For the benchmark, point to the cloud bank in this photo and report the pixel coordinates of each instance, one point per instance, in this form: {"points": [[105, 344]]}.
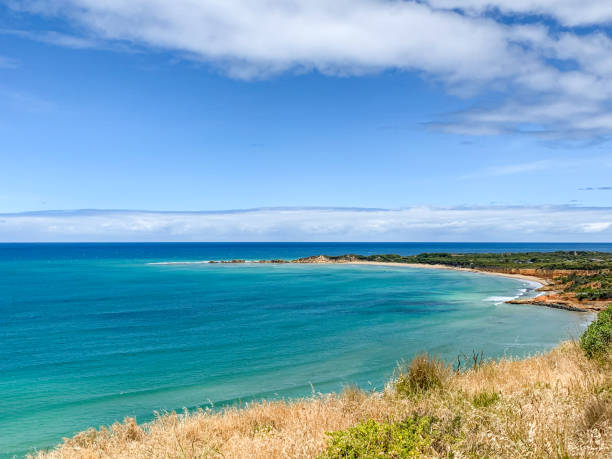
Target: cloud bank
{"points": [[496, 223], [553, 56]]}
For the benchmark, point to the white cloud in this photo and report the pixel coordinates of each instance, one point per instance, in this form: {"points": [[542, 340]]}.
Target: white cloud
{"points": [[597, 227], [342, 36], [567, 12], [538, 223], [455, 42]]}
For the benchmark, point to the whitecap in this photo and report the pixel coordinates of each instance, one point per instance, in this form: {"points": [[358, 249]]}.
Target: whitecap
{"points": [[499, 299]]}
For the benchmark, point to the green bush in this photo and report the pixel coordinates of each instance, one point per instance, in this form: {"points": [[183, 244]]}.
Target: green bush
{"points": [[422, 374], [485, 399], [371, 439], [533, 260], [590, 286], [590, 293], [596, 341]]}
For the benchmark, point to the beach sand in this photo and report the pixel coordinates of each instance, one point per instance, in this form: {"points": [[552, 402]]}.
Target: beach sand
{"points": [[535, 279]]}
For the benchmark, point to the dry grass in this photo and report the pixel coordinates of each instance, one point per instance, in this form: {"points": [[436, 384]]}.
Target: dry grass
{"points": [[422, 374], [554, 405]]}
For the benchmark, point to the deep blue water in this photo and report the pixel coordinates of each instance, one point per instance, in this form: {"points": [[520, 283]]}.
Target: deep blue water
{"points": [[261, 250], [91, 333]]}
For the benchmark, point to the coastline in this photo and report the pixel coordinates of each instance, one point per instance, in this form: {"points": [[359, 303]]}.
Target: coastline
{"points": [[547, 287], [539, 280], [551, 293], [321, 261], [526, 391], [549, 298]]}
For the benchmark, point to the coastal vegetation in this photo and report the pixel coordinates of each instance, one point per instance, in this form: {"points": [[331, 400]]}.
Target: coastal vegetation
{"points": [[590, 286], [575, 260], [597, 339], [557, 404]]}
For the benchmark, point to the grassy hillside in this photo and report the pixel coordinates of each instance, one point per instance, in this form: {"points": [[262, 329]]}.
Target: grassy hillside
{"points": [[553, 405]]}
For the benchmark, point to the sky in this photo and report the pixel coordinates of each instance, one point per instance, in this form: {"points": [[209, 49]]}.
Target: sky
{"points": [[322, 120]]}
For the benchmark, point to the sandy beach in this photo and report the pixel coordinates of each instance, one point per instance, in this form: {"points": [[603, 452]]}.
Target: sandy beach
{"points": [[538, 280]]}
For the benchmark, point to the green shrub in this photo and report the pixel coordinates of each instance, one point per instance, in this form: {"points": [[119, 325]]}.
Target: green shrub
{"points": [[590, 293], [589, 286], [596, 341], [534, 260], [371, 439], [485, 399], [422, 374]]}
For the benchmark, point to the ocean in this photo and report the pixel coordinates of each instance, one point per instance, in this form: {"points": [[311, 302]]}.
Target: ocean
{"points": [[92, 333]]}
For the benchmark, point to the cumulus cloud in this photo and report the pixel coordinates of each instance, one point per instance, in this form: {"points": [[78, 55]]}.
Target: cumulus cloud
{"points": [[567, 12], [338, 37], [496, 223], [559, 78], [597, 227]]}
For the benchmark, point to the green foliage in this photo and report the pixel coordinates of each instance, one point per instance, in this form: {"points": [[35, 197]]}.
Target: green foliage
{"points": [[534, 260], [422, 374], [596, 341], [371, 439], [591, 293], [485, 399], [592, 286]]}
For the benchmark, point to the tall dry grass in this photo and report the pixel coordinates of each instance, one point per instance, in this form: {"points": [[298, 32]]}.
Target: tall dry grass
{"points": [[553, 405]]}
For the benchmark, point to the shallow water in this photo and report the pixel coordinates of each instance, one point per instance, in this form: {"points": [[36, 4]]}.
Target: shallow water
{"points": [[93, 333]]}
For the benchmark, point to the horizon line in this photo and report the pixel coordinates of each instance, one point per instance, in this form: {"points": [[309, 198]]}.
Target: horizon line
{"points": [[289, 208]]}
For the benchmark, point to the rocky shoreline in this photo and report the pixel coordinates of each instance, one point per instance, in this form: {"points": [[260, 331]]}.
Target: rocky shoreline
{"points": [[553, 301]]}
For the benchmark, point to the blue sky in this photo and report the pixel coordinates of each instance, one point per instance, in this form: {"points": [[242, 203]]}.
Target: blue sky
{"points": [[200, 105]]}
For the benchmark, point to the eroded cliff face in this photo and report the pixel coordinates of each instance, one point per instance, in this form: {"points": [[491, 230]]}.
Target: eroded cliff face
{"points": [[542, 273], [557, 292], [563, 301]]}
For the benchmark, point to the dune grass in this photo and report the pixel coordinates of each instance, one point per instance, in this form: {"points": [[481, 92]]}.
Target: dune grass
{"points": [[557, 404]]}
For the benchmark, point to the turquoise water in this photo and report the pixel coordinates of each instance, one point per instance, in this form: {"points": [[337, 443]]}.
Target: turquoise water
{"points": [[92, 333]]}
